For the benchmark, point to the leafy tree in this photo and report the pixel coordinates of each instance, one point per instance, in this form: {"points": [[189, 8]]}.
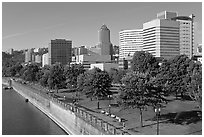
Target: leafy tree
{"points": [[133, 92], [56, 78], [29, 72], [177, 75], [72, 73], [195, 83], [116, 75], [143, 61], [11, 63], [96, 83], [44, 76], [140, 90]]}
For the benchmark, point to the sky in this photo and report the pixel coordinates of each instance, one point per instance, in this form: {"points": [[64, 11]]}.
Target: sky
{"points": [[35, 24]]}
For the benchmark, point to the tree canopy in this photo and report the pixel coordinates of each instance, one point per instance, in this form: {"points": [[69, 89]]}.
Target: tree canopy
{"points": [[95, 82], [139, 90], [71, 73], [143, 61], [56, 77]]}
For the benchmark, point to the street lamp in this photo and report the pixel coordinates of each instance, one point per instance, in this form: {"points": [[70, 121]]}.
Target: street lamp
{"points": [[157, 111], [109, 106]]}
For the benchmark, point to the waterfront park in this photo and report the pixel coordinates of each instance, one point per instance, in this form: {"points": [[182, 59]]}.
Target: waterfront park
{"points": [[154, 96]]}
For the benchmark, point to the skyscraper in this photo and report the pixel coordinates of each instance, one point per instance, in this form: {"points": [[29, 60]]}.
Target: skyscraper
{"points": [[130, 41], [186, 30], [104, 41], [60, 51], [161, 36]]}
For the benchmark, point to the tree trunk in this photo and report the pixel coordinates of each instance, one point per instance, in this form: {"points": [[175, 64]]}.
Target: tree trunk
{"points": [[97, 103], [182, 96], [141, 119]]}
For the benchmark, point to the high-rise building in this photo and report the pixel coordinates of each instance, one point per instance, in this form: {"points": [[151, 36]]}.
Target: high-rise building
{"points": [[60, 51], [28, 55], [104, 41], [186, 30], [45, 59], [130, 42], [161, 37]]}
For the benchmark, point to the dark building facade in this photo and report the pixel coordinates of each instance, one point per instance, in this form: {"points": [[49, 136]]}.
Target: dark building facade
{"points": [[60, 51], [104, 41]]}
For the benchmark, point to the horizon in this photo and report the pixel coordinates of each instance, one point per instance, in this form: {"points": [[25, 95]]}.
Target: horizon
{"points": [[34, 24]]}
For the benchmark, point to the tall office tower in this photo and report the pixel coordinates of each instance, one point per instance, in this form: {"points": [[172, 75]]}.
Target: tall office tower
{"points": [[186, 29], [28, 55], [60, 51], [130, 41], [104, 41], [161, 38]]}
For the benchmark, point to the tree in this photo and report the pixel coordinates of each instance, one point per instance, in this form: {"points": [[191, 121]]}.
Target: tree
{"points": [[45, 75], [143, 61], [140, 90], [29, 72], [177, 75], [116, 75], [96, 83], [72, 73], [195, 83], [133, 92], [56, 78]]}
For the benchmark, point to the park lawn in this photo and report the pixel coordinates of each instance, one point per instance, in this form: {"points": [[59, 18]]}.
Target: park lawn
{"points": [[132, 116]]}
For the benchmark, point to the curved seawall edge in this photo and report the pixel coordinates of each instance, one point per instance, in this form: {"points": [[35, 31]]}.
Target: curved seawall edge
{"points": [[33, 102]]}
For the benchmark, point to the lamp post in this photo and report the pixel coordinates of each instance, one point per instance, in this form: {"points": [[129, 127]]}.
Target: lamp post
{"points": [[157, 111], [109, 106]]}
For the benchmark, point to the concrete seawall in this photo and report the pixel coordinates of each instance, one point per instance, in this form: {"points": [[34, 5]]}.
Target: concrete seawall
{"points": [[65, 118], [74, 120]]}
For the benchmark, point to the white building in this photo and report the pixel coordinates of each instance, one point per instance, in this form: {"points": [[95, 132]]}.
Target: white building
{"points": [[105, 66], [87, 60], [130, 41], [28, 55], [161, 38], [186, 30], [45, 59], [38, 58]]}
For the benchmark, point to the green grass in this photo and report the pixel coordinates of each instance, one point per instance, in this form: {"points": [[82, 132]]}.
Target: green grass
{"points": [[132, 116]]}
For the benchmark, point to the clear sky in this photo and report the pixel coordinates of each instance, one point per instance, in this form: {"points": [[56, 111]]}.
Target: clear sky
{"points": [[32, 25]]}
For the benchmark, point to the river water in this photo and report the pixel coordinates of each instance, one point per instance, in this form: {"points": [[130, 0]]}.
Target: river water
{"points": [[21, 118]]}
